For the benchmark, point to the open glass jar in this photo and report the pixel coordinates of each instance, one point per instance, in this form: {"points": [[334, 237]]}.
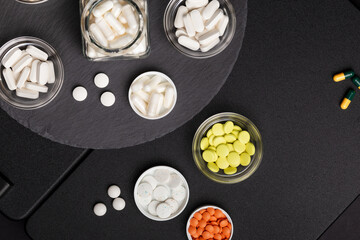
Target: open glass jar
{"points": [[130, 42]]}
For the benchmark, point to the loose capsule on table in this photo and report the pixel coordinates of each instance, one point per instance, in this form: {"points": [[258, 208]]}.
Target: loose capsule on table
{"points": [[347, 100], [343, 75], [356, 81]]}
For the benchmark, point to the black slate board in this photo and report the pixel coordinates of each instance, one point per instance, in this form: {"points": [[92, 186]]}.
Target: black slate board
{"points": [[89, 124], [282, 82]]}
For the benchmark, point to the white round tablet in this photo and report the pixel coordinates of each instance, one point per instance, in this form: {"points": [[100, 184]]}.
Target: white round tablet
{"points": [[101, 80], [144, 190], [175, 181], [161, 193], [99, 209], [114, 191], [79, 93], [163, 210], [151, 180], [144, 201], [174, 205], [107, 99], [179, 193], [152, 207], [118, 204], [162, 175]]}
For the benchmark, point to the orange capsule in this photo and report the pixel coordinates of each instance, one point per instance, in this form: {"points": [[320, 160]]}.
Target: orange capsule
{"points": [[224, 223], [198, 216], [207, 235], [211, 210], [206, 216], [192, 230], [209, 228], [194, 222], [202, 223]]}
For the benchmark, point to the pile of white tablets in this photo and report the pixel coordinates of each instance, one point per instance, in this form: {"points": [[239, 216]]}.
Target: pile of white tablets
{"points": [[114, 24], [200, 24], [162, 193], [152, 95], [28, 71], [118, 203]]}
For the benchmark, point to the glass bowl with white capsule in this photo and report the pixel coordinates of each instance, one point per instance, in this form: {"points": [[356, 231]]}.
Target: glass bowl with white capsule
{"points": [[53, 87], [213, 31]]}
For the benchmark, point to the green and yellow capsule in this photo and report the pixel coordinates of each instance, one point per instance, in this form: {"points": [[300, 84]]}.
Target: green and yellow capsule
{"points": [[347, 100], [356, 81], [344, 75]]}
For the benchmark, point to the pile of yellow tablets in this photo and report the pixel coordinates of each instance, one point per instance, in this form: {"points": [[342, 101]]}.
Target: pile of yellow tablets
{"points": [[227, 146]]}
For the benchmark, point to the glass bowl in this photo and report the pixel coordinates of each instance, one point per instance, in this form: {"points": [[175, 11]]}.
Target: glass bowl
{"points": [[243, 172], [225, 40], [53, 89], [31, 1]]}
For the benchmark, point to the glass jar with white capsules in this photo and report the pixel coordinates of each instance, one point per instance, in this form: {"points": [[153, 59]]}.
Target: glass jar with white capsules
{"points": [[114, 29]]}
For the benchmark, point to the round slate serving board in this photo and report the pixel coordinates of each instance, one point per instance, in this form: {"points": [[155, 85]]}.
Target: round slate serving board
{"points": [[88, 124]]}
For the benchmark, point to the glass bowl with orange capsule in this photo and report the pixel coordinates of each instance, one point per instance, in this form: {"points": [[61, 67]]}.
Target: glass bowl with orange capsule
{"points": [[210, 222]]}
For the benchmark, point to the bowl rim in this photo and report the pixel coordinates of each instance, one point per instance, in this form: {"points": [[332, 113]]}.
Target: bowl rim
{"points": [[205, 207], [31, 2], [231, 179], [167, 78], [15, 42], [202, 55], [148, 215]]}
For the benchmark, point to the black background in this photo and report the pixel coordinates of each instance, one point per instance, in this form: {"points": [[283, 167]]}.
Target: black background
{"points": [[282, 82]]}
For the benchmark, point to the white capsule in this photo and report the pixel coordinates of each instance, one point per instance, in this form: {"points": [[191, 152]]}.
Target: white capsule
{"points": [[210, 9], [102, 8], [52, 76], [138, 103], [152, 83], [160, 104], [34, 75], [208, 47], [161, 87], [211, 23], [106, 30], [163, 210], [23, 77], [169, 97], [192, 4], [90, 52], [209, 37], [122, 19], [43, 73], [179, 18], [118, 204], [9, 78], [189, 26], [153, 104], [114, 23], [121, 42], [79, 93], [23, 62], [180, 32], [37, 53], [143, 95], [11, 57], [139, 84], [98, 19], [99, 209], [197, 20], [116, 10], [107, 99], [189, 43], [130, 16], [26, 93], [36, 87], [98, 35], [222, 24]]}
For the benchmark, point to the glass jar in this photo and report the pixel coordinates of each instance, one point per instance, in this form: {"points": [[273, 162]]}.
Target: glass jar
{"points": [[138, 47]]}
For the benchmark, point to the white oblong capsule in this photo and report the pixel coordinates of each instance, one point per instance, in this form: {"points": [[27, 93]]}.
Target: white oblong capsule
{"points": [[90, 52], [114, 23], [43, 73], [130, 16], [37, 53], [106, 30], [206, 48], [26, 93], [153, 104], [197, 20], [189, 25], [179, 18], [122, 19], [138, 103], [23, 77], [169, 97], [211, 23], [143, 95], [22, 63], [139, 84], [102, 8], [36, 87], [161, 87], [189, 43], [152, 83], [210, 9], [222, 25], [192, 4], [116, 9], [209, 37], [52, 76], [11, 57], [160, 104], [180, 32], [121, 41], [98, 35], [9, 78], [34, 75]]}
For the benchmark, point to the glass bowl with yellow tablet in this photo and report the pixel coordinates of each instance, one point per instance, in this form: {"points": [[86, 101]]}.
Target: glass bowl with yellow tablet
{"points": [[227, 148]]}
